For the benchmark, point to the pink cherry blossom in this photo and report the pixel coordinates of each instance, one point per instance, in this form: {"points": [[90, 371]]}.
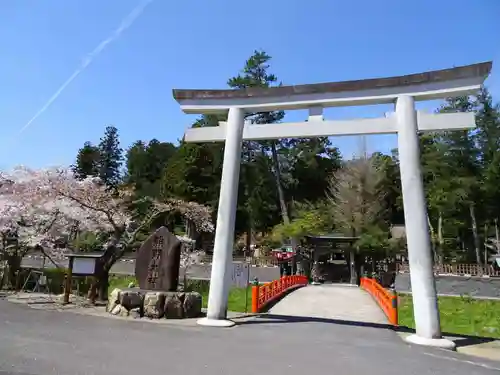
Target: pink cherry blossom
{"points": [[52, 202]]}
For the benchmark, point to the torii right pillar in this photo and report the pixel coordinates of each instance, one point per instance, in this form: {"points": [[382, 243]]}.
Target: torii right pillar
{"points": [[423, 285]]}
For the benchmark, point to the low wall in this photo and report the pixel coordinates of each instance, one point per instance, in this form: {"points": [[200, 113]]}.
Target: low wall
{"points": [[456, 285]]}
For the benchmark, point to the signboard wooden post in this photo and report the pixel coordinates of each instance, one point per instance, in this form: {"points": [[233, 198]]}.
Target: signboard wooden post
{"points": [[80, 264]]}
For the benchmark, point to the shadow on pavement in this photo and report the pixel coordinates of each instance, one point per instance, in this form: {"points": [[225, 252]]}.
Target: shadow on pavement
{"points": [[460, 339], [273, 318]]}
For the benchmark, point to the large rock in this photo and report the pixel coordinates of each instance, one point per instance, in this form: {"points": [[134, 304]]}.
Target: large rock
{"points": [[135, 313], [158, 260], [124, 312], [131, 299], [116, 310], [137, 303], [113, 299], [154, 305], [174, 308], [192, 305]]}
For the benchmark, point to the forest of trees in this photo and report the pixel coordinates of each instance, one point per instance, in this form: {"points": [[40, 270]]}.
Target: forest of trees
{"points": [[293, 187]]}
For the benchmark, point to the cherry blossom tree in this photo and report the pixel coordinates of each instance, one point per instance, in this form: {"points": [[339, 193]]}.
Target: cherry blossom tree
{"points": [[46, 205]]}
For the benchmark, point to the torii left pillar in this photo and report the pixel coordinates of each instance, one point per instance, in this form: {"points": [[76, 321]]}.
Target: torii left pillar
{"points": [[226, 217]]}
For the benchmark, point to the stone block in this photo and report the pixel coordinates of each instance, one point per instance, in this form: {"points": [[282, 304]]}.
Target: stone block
{"points": [[116, 310], [174, 308], [113, 299], [135, 313], [131, 299], [124, 312], [154, 305], [192, 305]]}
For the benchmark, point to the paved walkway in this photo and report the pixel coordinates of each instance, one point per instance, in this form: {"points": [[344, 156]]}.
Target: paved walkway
{"points": [[339, 302]]}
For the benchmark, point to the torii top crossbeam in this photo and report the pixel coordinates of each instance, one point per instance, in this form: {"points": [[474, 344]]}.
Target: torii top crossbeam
{"points": [[430, 85]]}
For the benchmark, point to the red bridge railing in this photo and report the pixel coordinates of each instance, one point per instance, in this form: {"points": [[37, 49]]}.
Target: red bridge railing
{"points": [[387, 301], [266, 293]]}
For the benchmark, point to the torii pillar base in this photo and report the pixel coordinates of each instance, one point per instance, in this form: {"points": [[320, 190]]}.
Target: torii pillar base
{"points": [[436, 343], [219, 323]]}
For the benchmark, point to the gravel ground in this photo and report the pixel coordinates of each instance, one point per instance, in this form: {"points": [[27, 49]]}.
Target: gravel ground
{"points": [[54, 342]]}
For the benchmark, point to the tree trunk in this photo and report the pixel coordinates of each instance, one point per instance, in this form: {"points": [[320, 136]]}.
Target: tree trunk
{"points": [[315, 267], [4, 277], [281, 193], [248, 241], [433, 239], [354, 266], [486, 228], [191, 231], [92, 293], [497, 237], [477, 244], [103, 286], [497, 234], [277, 175], [440, 252], [99, 286], [11, 270]]}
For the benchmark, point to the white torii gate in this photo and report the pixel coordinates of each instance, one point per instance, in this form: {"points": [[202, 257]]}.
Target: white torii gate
{"points": [[406, 122]]}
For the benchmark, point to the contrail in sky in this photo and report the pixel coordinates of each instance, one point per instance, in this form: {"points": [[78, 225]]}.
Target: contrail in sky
{"points": [[124, 25]]}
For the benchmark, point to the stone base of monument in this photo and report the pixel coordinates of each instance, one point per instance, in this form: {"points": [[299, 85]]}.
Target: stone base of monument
{"points": [[151, 304]]}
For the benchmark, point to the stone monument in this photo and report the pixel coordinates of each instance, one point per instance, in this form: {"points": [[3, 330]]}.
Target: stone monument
{"points": [[157, 272], [158, 261]]}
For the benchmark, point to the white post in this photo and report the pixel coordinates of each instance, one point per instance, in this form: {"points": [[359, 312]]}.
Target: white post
{"points": [[226, 216], [425, 307]]}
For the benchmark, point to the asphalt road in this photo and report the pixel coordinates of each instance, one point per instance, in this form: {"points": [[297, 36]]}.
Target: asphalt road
{"points": [[50, 342], [197, 271]]}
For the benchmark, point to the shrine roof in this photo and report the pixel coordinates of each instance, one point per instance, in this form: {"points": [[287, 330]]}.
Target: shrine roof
{"points": [[332, 237]]}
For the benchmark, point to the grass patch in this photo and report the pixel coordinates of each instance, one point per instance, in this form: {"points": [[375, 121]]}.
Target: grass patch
{"points": [[236, 301], [461, 315], [120, 282]]}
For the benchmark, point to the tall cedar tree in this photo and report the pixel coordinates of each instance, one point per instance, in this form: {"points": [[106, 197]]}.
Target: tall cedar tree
{"points": [[111, 157], [255, 74]]}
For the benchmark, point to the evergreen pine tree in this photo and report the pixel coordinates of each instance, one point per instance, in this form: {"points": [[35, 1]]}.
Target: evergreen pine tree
{"points": [[111, 157]]}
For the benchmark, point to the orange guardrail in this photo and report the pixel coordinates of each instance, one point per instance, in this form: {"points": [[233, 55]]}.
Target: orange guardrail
{"points": [[387, 301], [266, 293]]}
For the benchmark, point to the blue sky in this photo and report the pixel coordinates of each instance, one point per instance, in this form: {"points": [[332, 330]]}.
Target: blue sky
{"points": [[200, 44]]}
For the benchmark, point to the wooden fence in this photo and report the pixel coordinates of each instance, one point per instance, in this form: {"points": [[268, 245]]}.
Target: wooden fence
{"points": [[457, 269]]}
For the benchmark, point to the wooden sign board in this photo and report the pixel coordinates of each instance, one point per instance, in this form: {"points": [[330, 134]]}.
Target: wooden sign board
{"points": [[84, 266]]}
